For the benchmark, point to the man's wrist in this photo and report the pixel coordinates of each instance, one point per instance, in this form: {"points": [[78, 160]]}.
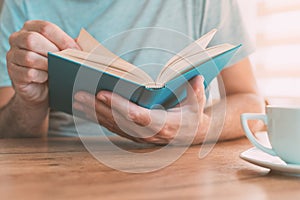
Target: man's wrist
{"points": [[29, 105], [31, 120]]}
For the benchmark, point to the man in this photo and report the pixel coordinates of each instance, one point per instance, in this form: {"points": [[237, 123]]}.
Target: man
{"points": [[35, 29]]}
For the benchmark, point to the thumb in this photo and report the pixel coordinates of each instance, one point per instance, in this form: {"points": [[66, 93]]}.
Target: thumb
{"points": [[78, 45], [196, 92]]}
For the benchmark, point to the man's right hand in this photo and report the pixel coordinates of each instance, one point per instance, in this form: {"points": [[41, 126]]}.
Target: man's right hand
{"points": [[27, 59], [28, 69]]}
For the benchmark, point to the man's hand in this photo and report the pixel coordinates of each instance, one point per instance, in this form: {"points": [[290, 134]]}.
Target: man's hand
{"points": [[28, 69], [186, 122], [27, 59]]}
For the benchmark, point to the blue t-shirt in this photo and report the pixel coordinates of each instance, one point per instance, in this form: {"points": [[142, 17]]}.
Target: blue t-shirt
{"points": [[146, 33]]}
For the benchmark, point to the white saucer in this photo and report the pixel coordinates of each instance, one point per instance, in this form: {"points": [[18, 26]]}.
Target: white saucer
{"points": [[257, 157]]}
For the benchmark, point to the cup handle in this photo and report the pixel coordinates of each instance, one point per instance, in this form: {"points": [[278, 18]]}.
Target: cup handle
{"points": [[250, 116]]}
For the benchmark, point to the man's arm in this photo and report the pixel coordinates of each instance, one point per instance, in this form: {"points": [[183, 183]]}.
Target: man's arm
{"points": [[241, 96], [6, 93]]}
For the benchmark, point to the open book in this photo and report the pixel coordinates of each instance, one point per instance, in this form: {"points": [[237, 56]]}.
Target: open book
{"points": [[95, 68]]}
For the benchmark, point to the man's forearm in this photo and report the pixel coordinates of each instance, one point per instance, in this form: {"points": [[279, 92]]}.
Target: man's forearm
{"points": [[225, 116], [19, 120]]}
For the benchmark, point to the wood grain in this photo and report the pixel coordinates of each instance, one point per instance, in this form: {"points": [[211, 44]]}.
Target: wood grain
{"points": [[61, 168]]}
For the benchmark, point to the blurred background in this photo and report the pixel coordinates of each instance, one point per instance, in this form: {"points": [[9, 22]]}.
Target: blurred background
{"points": [[274, 26]]}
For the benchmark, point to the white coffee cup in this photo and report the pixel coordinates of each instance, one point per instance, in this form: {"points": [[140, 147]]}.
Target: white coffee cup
{"points": [[283, 127]]}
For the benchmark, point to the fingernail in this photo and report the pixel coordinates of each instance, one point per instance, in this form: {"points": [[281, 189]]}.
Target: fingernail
{"points": [[102, 98], [79, 97], [202, 79], [131, 115]]}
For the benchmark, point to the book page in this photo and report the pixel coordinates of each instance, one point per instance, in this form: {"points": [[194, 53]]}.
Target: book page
{"points": [[191, 61], [104, 63], [97, 53], [89, 44], [115, 71], [198, 45]]}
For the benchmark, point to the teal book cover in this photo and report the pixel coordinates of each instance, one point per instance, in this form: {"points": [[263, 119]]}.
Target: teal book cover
{"points": [[66, 77]]}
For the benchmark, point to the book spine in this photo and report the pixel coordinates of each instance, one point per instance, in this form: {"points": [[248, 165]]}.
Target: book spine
{"points": [[161, 98]]}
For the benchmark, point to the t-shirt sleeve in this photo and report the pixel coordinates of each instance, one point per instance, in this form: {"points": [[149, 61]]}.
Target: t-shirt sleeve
{"points": [[12, 19], [227, 18]]}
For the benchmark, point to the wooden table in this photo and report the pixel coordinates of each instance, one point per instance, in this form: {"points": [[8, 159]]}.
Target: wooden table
{"points": [[61, 168]]}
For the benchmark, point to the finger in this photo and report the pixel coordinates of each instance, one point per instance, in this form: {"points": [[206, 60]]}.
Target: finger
{"points": [[155, 140], [28, 59], [102, 119], [52, 32], [93, 106], [114, 127], [88, 111], [137, 114], [32, 41], [21, 75], [146, 122], [85, 98], [112, 120], [96, 107], [195, 92]]}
